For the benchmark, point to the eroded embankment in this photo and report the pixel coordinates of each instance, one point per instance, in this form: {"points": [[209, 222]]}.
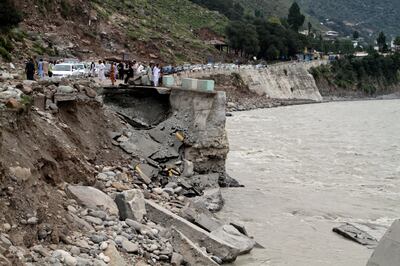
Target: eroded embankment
{"points": [[133, 181], [250, 88]]}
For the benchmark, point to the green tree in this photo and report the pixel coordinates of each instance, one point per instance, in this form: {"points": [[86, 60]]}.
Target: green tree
{"points": [[295, 18], [243, 37], [382, 42], [272, 53], [356, 35], [309, 26], [9, 14]]}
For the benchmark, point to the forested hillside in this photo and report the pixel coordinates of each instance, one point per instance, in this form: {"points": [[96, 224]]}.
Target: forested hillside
{"points": [[369, 16], [366, 16]]}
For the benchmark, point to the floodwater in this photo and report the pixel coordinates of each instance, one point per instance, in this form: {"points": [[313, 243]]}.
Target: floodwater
{"points": [[308, 169]]}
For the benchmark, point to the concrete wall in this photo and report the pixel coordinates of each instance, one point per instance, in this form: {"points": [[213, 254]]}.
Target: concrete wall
{"points": [[203, 116], [278, 81]]}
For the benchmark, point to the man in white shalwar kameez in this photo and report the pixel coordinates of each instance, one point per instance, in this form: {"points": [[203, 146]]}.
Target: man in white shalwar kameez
{"points": [[102, 69], [156, 75]]}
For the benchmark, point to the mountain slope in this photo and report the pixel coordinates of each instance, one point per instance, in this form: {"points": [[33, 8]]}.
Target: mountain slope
{"points": [[145, 29], [369, 16], [366, 16]]}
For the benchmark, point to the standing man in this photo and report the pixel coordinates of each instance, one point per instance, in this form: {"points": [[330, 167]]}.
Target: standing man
{"points": [[30, 69], [102, 69], [40, 69], [149, 73], [112, 73], [50, 73], [135, 66], [156, 75], [121, 71], [130, 73], [92, 70]]}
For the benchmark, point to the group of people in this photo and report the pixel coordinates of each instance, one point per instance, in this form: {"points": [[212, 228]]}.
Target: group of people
{"points": [[126, 71], [43, 68], [114, 71]]}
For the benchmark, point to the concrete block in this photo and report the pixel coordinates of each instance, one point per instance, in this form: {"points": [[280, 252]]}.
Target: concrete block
{"points": [[225, 251], [206, 85], [388, 251], [189, 84], [231, 235], [168, 81], [192, 254]]}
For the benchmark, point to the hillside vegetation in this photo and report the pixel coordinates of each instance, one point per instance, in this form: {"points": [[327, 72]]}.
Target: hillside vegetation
{"points": [[146, 29], [350, 76]]}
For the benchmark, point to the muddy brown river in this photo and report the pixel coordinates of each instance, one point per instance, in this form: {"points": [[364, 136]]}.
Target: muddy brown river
{"points": [[308, 169]]}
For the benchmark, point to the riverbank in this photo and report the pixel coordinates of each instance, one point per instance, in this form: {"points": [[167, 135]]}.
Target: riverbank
{"points": [[124, 177]]}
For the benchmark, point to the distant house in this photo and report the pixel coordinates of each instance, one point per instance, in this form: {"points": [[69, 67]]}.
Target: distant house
{"points": [[218, 44]]}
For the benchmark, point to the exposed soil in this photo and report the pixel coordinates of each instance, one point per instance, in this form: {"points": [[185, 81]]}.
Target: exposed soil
{"points": [[50, 151]]}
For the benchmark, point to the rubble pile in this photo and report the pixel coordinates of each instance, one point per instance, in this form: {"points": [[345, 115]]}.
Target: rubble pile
{"points": [[115, 194]]}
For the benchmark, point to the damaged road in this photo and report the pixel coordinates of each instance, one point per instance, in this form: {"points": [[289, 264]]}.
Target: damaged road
{"points": [[113, 184]]}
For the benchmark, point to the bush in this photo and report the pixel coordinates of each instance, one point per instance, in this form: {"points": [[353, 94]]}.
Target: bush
{"points": [[6, 43], [5, 54], [66, 9], [9, 15]]}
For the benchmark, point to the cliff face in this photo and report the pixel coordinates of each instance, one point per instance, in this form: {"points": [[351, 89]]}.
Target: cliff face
{"points": [[288, 81], [283, 82]]}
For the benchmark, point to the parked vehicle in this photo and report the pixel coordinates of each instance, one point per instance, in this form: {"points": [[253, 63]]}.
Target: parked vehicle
{"points": [[65, 70], [81, 69]]}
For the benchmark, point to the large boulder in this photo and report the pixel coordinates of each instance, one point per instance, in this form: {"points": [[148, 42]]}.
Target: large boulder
{"points": [[131, 205], [202, 182], [115, 258], [231, 235], [92, 198], [211, 199], [388, 251], [65, 89]]}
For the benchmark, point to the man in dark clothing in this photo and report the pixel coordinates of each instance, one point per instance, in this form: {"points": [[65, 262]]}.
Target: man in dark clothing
{"points": [[121, 71], [129, 73], [30, 69]]}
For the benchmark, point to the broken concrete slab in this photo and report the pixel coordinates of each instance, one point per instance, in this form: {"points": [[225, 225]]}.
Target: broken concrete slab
{"points": [[192, 254], [164, 154], [387, 253], [211, 199], [141, 145], [131, 205], [146, 172], [200, 216], [353, 233], [92, 198], [232, 236], [213, 244]]}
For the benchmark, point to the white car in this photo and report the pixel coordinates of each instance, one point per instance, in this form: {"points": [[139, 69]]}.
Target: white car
{"points": [[67, 70], [81, 69]]}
